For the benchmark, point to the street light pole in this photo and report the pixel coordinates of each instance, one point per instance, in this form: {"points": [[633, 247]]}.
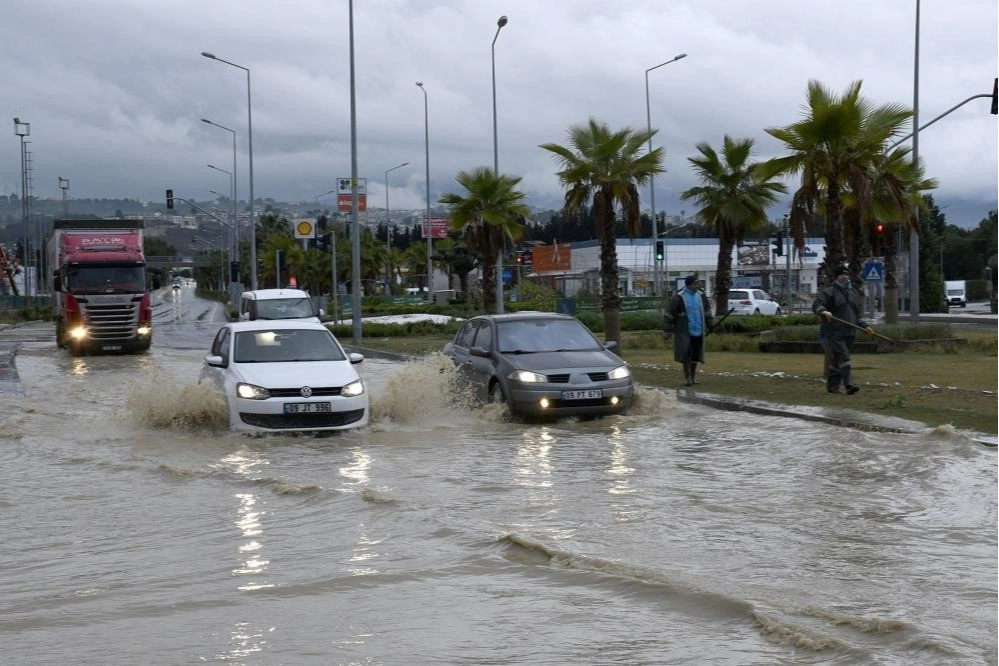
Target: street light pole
{"points": [[249, 134], [64, 186], [232, 185], [22, 130], [652, 178], [499, 260], [430, 226], [333, 284], [388, 227], [914, 233]]}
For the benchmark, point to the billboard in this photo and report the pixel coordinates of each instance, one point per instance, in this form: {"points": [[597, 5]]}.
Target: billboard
{"points": [[439, 226], [552, 257]]}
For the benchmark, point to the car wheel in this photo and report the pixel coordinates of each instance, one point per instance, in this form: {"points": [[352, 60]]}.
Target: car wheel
{"points": [[496, 396]]}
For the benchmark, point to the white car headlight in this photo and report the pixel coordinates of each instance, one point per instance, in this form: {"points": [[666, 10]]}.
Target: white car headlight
{"points": [[527, 377], [621, 372], [252, 392], [353, 389]]}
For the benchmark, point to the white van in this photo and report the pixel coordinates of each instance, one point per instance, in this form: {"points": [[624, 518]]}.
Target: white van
{"points": [[956, 296], [278, 304]]}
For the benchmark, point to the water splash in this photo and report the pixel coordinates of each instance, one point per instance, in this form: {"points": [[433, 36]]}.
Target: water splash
{"points": [[155, 403], [428, 389]]}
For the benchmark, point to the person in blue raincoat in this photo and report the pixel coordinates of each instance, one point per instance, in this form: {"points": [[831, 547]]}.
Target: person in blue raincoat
{"points": [[689, 317]]}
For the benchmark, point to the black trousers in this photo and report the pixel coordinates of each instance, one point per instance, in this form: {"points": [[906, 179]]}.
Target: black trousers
{"points": [[840, 369]]}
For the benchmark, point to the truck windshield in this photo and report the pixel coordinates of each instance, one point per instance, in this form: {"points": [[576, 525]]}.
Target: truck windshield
{"points": [[106, 279]]}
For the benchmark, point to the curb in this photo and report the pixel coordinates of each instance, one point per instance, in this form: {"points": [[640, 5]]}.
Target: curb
{"points": [[857, 421]]}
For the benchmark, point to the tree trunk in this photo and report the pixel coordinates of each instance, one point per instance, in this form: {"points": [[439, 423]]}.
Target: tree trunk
{"points": [[489, 285], [835, 254], [723, 274], [610, 300]]}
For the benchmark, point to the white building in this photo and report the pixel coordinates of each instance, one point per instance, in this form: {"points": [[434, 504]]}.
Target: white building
{"points": [[753, 265]]}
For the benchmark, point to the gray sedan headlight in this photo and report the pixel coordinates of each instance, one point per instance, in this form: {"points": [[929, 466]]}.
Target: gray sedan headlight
{"points": [[621, 372], [252, 392], [352, 389], [527, 377]]}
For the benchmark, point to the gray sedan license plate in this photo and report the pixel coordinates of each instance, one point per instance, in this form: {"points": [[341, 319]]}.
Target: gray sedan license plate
{"points": [[306, 407], [582, 395]]}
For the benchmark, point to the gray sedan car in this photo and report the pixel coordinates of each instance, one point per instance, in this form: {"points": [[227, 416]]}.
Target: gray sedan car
{"points": [[541, 365]]}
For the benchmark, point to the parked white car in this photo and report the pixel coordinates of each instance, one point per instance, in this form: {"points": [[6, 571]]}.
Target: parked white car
{"points": [[752, 301], [286, 375]]}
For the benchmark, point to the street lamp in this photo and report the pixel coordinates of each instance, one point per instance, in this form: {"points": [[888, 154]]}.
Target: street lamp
{"points": [[499, 260], [249, 134], [64, 186], [333, 284], [231, 187], [232, 184], [652, 180], [22, 130], [388, 227], [430, 226]]}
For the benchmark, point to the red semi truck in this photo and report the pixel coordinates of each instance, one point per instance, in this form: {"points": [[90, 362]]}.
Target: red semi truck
{"points": [[101, 300]]}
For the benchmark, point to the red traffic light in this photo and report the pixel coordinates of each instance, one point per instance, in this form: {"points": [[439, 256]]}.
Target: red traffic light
{"points": [[880, 228]]}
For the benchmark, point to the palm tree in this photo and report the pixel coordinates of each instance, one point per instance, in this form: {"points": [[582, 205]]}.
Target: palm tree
{"points": [[488, 214], [896, 184], [831, 149], [732, 200], [606, 167]]}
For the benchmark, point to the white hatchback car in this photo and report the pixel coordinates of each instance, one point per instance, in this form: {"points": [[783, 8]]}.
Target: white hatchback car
{"points": [[752, 301], [286, 375]]}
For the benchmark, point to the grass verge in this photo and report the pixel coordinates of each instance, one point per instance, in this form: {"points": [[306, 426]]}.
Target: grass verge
{"points": [[935, 387]]}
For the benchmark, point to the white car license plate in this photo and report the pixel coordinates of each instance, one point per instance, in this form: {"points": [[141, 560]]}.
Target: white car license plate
{"points": [[582, 395], [306, 407]]}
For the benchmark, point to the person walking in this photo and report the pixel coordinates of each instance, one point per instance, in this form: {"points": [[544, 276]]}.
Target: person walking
{"points": [[840, 307], [688, 316]]}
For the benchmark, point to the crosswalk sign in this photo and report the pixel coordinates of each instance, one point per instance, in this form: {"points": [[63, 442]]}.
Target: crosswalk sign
{"points": [[873, 271]]}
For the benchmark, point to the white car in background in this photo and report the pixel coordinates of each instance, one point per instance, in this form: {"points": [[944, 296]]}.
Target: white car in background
{"points": [[286, 376], [752, 301]]}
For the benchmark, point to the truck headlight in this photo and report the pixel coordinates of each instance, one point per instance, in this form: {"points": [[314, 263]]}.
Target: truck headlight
{"points": [[78, 332], [144, 330]]}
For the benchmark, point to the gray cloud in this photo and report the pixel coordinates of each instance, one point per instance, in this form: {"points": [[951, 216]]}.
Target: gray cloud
{"points": [[115, 89]]}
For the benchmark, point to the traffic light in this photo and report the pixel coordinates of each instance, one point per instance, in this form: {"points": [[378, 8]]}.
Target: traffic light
{"points": [[995, 97], [234, 271], [879, 234], [281, 261], [660, 250], [169, 198], [779, 244]]}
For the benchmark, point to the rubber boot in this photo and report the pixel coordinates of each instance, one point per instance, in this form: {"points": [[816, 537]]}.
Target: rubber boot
{"points": [[693, 371], [688, 378]]}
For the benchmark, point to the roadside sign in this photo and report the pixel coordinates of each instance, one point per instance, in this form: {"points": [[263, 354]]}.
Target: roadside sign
{"points": [[343, 186], [873, 271], [344, 202], [305, 228], [438, 227]]}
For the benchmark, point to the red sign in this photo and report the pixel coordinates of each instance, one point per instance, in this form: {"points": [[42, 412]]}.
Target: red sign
{"points": [[439, 226], [345, 204]]}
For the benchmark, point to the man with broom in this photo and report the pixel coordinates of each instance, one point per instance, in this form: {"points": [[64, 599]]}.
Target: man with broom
{"points": [[842, 309]]}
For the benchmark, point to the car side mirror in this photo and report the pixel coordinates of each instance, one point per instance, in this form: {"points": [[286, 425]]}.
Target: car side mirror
{"points": [[215, 361], [355, 358], [610, 345], [478, 351]]}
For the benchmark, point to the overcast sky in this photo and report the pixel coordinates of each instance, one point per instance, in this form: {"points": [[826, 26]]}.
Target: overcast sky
{"points": [[115, 89]]}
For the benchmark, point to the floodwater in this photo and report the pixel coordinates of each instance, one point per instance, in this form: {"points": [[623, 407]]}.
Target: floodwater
{"points": [[136, 530]]}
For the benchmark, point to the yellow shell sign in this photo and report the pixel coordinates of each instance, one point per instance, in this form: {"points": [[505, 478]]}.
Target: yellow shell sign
{"points": [[305, 228]]}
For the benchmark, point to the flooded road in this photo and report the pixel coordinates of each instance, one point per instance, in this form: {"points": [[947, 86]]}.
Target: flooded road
{"points": [[138, 531]]}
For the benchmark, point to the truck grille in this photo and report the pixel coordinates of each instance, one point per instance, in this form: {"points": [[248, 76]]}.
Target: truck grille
{"points": [[112, 322]]}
